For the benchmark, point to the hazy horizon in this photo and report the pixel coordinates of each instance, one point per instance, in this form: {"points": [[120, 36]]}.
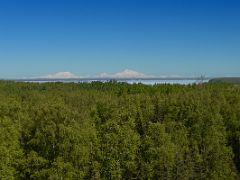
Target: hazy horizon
{"points": [[126, 74]]}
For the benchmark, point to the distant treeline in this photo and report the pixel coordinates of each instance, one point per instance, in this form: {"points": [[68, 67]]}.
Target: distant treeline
{"points": [[232, 80], [119, 131]]}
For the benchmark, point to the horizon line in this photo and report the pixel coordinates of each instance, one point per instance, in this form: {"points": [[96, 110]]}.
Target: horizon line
{"points": [[108, 78]]}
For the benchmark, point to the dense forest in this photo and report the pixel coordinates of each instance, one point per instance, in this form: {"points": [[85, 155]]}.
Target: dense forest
{"points": [[119, 131]]}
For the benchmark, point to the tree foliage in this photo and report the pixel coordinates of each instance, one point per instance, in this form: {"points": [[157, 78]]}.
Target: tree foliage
{"points": [[119, 131]]}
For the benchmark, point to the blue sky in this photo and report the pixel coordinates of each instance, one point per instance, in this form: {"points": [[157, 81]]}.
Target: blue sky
{"points": [[88, 37]]}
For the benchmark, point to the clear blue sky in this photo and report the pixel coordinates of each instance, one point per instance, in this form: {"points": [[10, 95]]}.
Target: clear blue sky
{"points": [[87, 37]]}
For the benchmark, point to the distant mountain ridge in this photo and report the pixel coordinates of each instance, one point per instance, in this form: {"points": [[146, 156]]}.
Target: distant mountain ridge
{"points": [[110, 78]]}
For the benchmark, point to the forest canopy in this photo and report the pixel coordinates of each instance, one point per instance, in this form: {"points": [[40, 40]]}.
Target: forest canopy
{"points": [[119, 131]]}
